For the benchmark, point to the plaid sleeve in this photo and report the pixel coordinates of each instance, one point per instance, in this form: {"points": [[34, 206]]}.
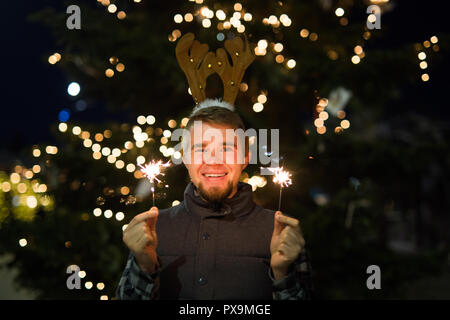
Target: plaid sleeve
{"points": [[135, 284], [297, 285]]}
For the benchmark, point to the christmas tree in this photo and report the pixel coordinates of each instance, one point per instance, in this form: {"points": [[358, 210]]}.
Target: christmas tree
{"points": [[367, 183]]}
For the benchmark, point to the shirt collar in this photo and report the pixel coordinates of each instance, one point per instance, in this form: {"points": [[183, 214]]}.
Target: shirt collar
{"points": [[240, 204]]}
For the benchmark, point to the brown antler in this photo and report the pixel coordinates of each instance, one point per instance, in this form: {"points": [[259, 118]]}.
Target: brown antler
{"points": [[232, 76], [196, 62]]}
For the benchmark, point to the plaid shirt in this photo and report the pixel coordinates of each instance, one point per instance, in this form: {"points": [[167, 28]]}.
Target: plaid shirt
{"points": [[138, 285]]}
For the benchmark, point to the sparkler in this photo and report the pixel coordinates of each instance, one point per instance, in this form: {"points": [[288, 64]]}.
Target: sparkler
{"points": [[152, 170], [283, 178]]}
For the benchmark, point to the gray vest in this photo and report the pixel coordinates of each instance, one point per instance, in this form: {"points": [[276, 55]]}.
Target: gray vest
{"points": [[209, 254]]}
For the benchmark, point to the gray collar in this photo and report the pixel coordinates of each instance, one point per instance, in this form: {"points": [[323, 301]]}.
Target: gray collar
{"points": [[240, 204]]}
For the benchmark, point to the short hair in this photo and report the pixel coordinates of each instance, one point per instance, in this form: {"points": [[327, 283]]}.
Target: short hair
{"points": [[217, 115]]}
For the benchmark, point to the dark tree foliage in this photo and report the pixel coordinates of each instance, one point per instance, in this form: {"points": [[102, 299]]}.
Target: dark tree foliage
{"points": [[357, 193]]}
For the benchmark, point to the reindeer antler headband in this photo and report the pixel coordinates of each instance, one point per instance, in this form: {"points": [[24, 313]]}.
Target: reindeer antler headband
{"points": [[198, 64]]}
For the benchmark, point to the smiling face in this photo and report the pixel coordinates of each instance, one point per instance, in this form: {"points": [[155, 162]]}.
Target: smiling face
{"points": [[213, 164]]}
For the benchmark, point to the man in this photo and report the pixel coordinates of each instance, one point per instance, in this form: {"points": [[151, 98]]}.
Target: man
{"points": [[217, 243]]}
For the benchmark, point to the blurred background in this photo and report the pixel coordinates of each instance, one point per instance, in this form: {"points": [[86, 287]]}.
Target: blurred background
{"points": [[358, 96]]}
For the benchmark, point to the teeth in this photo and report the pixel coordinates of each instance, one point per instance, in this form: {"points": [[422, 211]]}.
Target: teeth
{"points": [[214, 175]]}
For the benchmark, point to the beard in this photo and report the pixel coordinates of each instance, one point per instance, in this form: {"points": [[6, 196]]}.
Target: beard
{"points": [[215, 196]]}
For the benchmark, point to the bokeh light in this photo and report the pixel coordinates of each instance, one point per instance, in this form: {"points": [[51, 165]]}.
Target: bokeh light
{"points": [[73, 89]]}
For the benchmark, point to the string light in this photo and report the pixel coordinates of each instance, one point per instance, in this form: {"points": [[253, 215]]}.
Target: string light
{"points": [[178, 18], [36, 153], [206, 23], [28, 174], [97, 212], [113, 60], [285, 20], [304, 33], [313, 36], [321, 130], [256, 182], [262, 98], [131, 167], [23, 242], [220, 14], [120, 164], [98, 137], [76, 130], [372, 18], [258, 107], [112, 8], [6, 186], [121, 15], [54, 58], [62, 127], [184, 122], [73, 89], [120, 67], [175, 203], [339, 12], [116, 152], [291, 63], [356, 59], [151, 119], [51, 150], [109, 73], [278, 47], [120, 216], [87, 143], [421, 55], [108, 214], [345, 124]]}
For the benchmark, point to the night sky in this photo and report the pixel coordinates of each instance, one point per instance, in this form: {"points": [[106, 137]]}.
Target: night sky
{"points": [[34, 92]]}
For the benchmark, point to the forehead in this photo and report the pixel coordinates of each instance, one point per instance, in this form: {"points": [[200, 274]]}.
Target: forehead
{"points": [[210, 126], [205, 132]]}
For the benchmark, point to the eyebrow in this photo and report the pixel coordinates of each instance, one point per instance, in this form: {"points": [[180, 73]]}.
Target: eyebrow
{"points": [[226, 143]]}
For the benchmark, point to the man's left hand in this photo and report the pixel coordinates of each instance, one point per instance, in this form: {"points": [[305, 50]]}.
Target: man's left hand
{"points": [[286, 244]]}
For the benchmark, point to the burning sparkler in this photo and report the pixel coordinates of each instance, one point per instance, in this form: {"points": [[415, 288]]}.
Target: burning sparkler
{"points": [[152, 170], [283, 178]]}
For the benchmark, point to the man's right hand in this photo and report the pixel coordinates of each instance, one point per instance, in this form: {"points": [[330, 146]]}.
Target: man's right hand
{"points": [[140, 237]]}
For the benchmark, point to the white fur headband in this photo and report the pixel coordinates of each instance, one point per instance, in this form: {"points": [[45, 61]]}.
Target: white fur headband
{"points": [[212, 103]]}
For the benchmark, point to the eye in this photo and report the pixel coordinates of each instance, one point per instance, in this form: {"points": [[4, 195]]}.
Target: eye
{"points": [[228, 149]]}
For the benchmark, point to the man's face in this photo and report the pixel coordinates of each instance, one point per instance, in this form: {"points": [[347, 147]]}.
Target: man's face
{"points": [[215, 161]]}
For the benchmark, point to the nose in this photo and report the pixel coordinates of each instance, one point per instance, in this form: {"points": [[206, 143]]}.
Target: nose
{"points": [[213, 156]]}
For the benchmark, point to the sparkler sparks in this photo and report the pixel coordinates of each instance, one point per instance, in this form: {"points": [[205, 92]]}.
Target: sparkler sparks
{"points": [[283, 178], [152, 170]]}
